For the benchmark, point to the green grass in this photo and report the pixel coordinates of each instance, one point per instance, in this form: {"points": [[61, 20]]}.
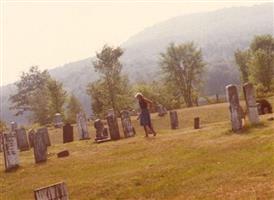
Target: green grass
{"points": [[209, 163]]}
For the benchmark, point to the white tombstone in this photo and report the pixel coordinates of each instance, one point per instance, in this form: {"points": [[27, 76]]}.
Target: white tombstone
{"points": [[11, 154], [82, 126], [57, 191], [251, 104], [234, 107]]}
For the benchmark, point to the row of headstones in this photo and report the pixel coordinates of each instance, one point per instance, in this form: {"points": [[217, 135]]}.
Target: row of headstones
{"points": [[236, 112], [16, 140]]}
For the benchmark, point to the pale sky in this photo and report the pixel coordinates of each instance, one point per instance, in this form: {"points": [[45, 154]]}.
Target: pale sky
{"points": [[53, 33]]}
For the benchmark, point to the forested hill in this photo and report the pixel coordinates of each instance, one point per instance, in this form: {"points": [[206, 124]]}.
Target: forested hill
{"points": [[218, 33]]}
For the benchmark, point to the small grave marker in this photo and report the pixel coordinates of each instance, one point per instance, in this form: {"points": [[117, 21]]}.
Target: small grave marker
{"points": [[22, 139], [67, 133], [174, 122], [196, 123]]}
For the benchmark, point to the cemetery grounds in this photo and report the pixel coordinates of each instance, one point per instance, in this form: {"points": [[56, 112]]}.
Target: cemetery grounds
{"points": [[209, 163]]}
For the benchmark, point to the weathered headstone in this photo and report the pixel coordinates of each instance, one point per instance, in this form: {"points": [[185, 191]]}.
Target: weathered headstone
{"points": [[251, 104], [13, 126], [31, 137], [67, 133], [11, 154], [57, 191], [58, 121], [128, 129], [113, 127], [196, 123], [234, 107], [62, 154], [174, 122], [40, 146], [22, 139], [82, 126], [44, 132]]}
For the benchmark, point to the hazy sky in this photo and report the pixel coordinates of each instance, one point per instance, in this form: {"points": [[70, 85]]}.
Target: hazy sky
{"points": [[53, 33]]}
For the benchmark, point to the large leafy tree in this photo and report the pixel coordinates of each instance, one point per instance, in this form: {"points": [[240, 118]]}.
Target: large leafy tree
{"points": [[183, 66], [38, 94], [112, 91], [257, 63]]}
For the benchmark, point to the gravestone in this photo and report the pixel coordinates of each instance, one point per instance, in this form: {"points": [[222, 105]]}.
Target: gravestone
{"points": [[128, 129], [11, 154], [57, 191], [251, 104], [58, 121], [174, 122], [13, 126], [234, 107], [113, 127], [22, 139], [82, 126], [100, 130], [40, 146], [161, 110], [63, 154], [31, 138], [44, 132], [196, 123], [67, 133]]}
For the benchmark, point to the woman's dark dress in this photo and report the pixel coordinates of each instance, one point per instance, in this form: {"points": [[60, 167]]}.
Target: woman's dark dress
{"points": [[145, 115]]}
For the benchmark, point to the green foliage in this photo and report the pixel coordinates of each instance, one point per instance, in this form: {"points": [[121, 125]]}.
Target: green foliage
{"points": [[73, 107], [57, 97], [241, 58], [257, 63], [112, 91], [162, 93], [38, 93], [183, 66]]}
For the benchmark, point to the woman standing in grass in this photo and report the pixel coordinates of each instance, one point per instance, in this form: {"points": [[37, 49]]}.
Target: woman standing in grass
{"points": [[145, 115]]}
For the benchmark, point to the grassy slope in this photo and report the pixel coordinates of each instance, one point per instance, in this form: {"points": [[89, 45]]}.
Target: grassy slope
{"points": [[210, 163]]}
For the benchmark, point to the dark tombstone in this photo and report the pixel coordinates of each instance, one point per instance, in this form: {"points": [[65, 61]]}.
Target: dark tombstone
{"points": [[67, 133], [40, 146], [113, 127], [58, 121], [44, 132], [105, 132], [196, 123], [174, 122], [236, 113], [252, 110], [11, 154], [31, 137], [57, 191], [62, 154], [264, 107], [128, 129], [82, 126], [22, 139], [13, 126]]}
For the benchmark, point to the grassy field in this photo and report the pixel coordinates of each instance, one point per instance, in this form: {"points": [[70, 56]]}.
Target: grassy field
{"points": [[209, 163]]}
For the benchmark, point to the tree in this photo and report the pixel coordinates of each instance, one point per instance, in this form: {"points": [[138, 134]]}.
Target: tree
{"points": [[242, 58], [57, 97], [26, 87], [257, 63], [74, 107], [113, 88], [183, 66]]}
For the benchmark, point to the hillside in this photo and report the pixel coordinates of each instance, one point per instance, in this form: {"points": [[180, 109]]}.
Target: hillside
{"points": [[209, 163], [218, 33]]}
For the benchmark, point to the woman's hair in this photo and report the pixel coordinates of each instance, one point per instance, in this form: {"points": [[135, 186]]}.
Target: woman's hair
{"points": [[138, 94]]}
